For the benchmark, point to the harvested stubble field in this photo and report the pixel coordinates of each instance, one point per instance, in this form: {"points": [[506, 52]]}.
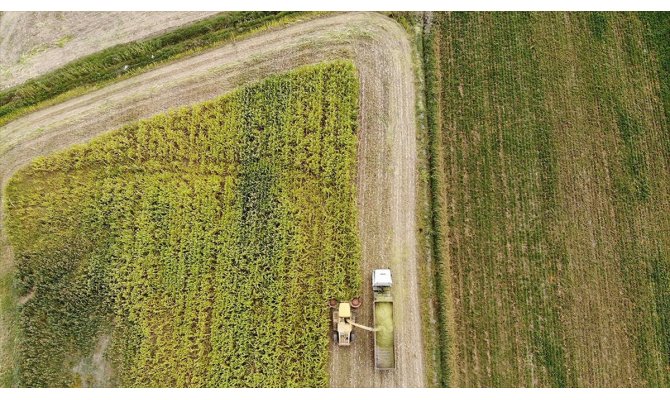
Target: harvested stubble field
{"points": [[197, 240], [551, 146], [35, 43], [117, 62]]}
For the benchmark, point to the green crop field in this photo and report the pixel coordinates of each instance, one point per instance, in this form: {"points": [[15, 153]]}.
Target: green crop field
{"points": [[201, 245], [550, 144]]}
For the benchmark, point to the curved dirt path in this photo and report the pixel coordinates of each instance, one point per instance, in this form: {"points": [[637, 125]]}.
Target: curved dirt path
{"points": [[387, 151]]}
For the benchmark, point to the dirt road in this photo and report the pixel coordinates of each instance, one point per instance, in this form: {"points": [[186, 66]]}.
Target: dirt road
{"points": [[387, 150], [33, 43]]}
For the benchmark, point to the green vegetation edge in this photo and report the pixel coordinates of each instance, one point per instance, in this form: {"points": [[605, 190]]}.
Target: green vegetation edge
{"points": [[129, 59]]}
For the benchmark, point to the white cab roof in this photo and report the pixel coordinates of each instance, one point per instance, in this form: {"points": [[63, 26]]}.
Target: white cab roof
{"points": [[381, 277]]}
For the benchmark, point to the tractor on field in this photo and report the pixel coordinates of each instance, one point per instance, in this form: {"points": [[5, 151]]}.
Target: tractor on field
{"points": [[344, 320]]}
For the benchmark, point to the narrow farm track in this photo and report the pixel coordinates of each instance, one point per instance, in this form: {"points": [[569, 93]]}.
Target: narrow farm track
{"points": [[382, 54]]}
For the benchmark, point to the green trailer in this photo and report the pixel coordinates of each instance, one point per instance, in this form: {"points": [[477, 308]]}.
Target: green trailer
{"points": [[384, 339]]}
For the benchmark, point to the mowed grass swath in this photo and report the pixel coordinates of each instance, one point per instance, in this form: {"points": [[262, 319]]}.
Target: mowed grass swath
{"points": [[205, 242], [551, 193]]}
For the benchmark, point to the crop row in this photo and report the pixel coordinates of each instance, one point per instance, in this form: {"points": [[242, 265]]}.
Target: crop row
{"points": [[551, 189], [206, 241]]}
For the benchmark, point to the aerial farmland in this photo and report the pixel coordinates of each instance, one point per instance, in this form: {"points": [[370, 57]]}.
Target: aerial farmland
{"points": [[334, 199]]}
